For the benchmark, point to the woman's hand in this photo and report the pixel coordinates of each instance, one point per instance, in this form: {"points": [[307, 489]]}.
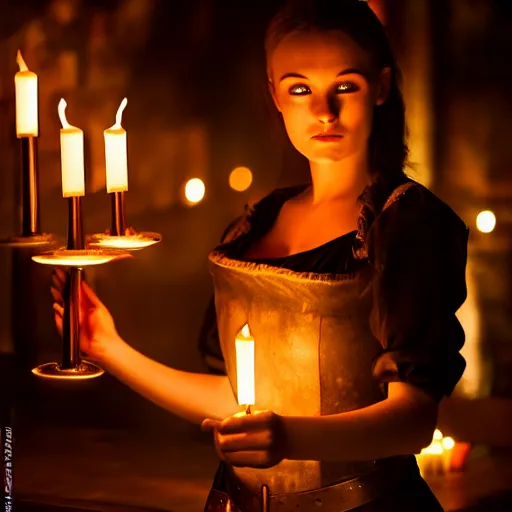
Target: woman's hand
{"points": [[97, 329], [255, 440]]}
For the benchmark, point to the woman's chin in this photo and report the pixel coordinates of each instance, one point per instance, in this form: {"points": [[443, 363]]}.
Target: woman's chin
{"points": [[326, 156]]}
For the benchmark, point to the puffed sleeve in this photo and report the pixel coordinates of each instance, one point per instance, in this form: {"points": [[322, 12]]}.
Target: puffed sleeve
{"points": [[418, 249]]}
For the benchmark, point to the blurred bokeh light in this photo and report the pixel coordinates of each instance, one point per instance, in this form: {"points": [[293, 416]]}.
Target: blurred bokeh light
{"points": [[194, 190], [486, 221], [240, 179]]}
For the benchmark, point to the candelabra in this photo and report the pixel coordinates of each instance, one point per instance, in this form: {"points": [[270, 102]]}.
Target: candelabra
{"points": [[30, 235], [120, 235], [77, 257]]}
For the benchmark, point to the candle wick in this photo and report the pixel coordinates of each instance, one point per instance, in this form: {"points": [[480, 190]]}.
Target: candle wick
{"points": [[248, 410], [119, 115], [21, 63], [62, 113]]}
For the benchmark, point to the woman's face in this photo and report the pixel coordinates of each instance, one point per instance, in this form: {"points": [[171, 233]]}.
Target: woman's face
{"points": [[323, 85]]}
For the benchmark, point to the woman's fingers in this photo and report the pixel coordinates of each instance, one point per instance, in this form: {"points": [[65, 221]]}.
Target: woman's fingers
{"points": [[57, 295], [59, 277], [58, 312], [209, 425], [91, 299], [58, 309]]}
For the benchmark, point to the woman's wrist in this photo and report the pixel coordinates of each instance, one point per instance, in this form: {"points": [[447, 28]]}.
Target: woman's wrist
{"points": [[111, 352]]}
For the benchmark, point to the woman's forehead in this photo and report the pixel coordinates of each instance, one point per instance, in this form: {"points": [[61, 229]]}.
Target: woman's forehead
{"points": [[312, 52]]}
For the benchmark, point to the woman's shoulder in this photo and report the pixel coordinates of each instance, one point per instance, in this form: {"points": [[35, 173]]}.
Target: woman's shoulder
{"points": [[413, 202], [260, 213]]}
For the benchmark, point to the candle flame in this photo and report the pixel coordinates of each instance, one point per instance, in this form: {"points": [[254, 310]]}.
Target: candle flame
{"points": [[119, 115], [245, 331], [21, 63], [62, 113]]}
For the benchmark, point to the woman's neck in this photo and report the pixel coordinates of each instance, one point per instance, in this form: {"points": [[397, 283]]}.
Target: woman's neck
{"points": [[344, 180]]}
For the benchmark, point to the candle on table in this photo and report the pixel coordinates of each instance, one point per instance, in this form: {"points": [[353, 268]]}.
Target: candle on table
{"points": [[116, 154], [25, 83], [435, 459], [244, 344], [72, 156]]}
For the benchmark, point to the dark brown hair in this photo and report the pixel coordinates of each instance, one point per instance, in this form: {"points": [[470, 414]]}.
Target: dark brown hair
{"points": [[387, 144]]}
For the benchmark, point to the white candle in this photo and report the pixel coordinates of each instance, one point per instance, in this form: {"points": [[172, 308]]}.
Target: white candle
{"points": [[25, 84], [116, 154], [244, 344], [71, 155], [435, 459]]}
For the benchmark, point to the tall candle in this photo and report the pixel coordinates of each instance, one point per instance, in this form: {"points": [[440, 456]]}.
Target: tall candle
{"points": [[116, 154], [244, 344], [71, 155], [25, 84]]}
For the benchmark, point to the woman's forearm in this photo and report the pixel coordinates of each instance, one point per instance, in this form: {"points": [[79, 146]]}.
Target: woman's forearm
{"points": [[395, 426], [192, 396]]}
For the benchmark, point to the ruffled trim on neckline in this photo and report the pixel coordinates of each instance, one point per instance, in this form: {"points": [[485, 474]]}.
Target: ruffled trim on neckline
{"points": [[219, 258]]}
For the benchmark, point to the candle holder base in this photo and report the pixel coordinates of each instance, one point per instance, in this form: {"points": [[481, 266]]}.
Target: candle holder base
{"points": [[83, 370], [28, 241], [79, 258], [130, 241]]}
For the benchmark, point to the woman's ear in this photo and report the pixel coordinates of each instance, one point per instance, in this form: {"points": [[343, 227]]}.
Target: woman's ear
{"points": [[272, 90], [383, 86]]}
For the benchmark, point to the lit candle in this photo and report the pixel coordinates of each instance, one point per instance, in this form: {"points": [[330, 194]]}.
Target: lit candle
{"points": [[116, 154], [244, 344], [25, 84], [435, 459], [71, 155]]}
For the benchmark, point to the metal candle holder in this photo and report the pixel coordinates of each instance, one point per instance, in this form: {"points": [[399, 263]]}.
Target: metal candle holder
{"points": [[118, 214], [72, 365], [30, 217], [121, 236]]}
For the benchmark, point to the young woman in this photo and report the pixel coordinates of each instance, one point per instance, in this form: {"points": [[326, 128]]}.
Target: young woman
{"points": [[349, 285]]}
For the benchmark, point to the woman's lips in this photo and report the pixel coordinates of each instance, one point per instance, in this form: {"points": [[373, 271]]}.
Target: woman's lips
{"points": [[327, 137]]}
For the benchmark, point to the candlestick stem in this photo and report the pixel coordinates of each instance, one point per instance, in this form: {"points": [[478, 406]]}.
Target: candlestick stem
{"points": [[75, 226], [118, 214], [30, 189], [71, 321]]}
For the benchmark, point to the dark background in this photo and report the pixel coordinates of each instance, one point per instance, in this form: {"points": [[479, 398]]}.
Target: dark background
{"points": [[194, 76]]}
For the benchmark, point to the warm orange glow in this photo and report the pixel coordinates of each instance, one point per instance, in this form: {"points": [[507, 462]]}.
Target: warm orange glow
{"points": [[72, 156], [448, 443], [79, 259], [25, 83], [66, 376], [240, 179], [244, 345], [116, 157], [436, 458], [128, 242], [194, 190], [486, 221]]}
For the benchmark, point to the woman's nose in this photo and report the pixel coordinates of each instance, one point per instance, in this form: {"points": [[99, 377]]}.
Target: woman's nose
{"points": [[326, 109]]}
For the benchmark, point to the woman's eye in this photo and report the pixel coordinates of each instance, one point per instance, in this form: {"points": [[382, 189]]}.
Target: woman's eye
{"points": [[299, 90], [346, 87]]}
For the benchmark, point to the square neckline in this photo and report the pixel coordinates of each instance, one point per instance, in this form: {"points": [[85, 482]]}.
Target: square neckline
{"points": [[296, 190]]}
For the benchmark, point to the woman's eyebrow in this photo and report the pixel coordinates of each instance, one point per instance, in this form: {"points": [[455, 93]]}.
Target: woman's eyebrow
{"points": [[348, 71], [351, 71], [292, 75]]}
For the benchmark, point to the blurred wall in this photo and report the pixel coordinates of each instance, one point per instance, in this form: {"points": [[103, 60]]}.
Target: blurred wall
{"points": [[194, 77]]}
